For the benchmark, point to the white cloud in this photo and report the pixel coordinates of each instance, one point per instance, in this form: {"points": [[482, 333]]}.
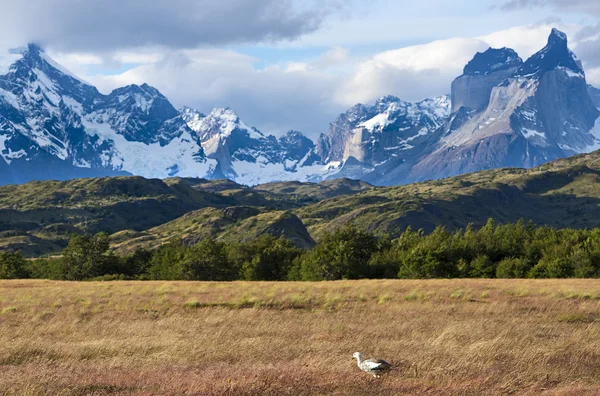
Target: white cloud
{"points": [[411, 73], [274, 99], [416, 72]]}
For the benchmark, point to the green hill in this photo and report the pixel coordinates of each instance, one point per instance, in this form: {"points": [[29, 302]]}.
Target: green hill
{"points": [[232, 224], [38, 217], [564, 193]]}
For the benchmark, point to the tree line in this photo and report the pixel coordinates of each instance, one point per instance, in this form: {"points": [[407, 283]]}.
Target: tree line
{"points": [[516, 250]]}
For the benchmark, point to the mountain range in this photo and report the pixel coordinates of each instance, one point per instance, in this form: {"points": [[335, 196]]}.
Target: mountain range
{"points": [[501, 112]]}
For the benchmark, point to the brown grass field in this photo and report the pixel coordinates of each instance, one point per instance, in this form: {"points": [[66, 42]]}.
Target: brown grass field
{"points": [[446, 337]]}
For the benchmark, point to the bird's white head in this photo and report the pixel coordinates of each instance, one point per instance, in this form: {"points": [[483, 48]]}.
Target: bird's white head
{"points": [[357, 355]]}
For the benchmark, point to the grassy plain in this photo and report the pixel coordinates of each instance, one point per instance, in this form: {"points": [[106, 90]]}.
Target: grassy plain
{"points": [[448, 337]]}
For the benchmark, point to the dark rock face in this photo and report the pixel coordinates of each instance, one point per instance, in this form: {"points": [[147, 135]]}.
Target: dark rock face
{"points": [[531, 115], [566, 111], [484, 72], [594, 95], [295, 145], [556, 54], [491, 61]]}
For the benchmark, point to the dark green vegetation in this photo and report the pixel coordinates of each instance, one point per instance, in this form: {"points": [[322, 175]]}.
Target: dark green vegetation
{"points": [[38, 218], [494, 251]]}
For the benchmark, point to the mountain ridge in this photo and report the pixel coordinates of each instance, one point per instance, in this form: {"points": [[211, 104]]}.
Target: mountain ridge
{"points": [[502, 111]]}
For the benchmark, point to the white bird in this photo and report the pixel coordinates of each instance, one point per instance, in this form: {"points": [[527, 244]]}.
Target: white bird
{"points": [[375, 367]]}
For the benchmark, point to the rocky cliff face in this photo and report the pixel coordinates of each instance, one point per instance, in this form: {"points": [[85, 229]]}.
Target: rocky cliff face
{"points": [[388, 133], [472, 90], [594, 95], [539, 112]]}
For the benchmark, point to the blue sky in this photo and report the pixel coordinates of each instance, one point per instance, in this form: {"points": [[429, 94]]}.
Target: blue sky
{"points": [[291, 64]]}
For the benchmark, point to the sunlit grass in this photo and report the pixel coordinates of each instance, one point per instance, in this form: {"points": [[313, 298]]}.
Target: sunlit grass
{"points": [[445, 337]]}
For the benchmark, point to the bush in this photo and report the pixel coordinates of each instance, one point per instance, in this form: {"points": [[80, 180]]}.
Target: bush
{"points": [[482, 267], [166, 261], [343, 254], [513, 268], [207, 261], [269, 259], [13, 266], [87, 257]]}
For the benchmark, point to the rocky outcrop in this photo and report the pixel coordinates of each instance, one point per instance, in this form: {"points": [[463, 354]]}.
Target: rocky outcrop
{"points": [[488, 69], [540, 112]]}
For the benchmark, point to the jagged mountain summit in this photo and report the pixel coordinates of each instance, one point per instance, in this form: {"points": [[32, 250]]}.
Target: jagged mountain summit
{"points": [[518, 115], [55, 126]]}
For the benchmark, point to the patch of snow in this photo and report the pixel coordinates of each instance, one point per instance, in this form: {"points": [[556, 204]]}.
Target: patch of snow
{"points": [[149, 160], [3, 139], [529, 114], [9, 57], [10, 98], [530, 133], [380, 120], [81, 163], [571, 73], [142, 103], [422, 132], [253, 173], [49, 90], [7, 154], [567, 148]]}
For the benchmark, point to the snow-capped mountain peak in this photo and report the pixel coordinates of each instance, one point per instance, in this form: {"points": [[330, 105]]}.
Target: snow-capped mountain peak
{"points": [[219, 122], [55, 125], [501, 112], [245, 154], [516, 117]]}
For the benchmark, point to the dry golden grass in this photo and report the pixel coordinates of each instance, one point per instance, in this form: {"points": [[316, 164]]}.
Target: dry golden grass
{"points": [[454, 337]]}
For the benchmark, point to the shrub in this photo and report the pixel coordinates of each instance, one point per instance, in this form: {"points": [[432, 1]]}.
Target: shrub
{"points": [[13, 266]]}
